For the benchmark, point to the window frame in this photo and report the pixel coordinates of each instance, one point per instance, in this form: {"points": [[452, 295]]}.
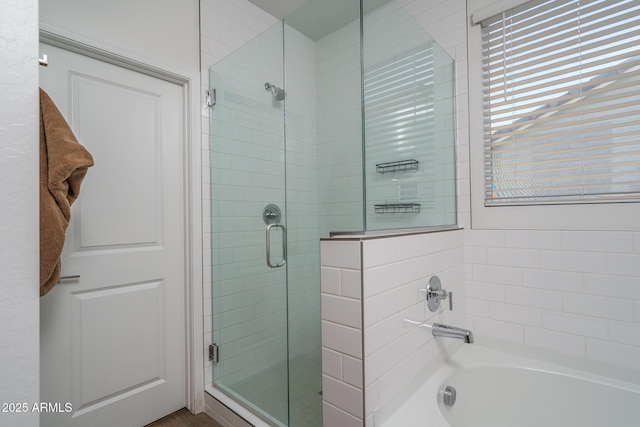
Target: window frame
{"points": [[574, 216]]}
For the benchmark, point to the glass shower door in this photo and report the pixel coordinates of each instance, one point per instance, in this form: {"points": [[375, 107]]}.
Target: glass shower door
{"points": [[248, 220]]}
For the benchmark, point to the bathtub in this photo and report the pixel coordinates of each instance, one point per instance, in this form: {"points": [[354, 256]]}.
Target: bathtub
{"points": [[503, 389]]}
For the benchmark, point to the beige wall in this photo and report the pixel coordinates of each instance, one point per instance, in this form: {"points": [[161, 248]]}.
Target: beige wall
{"points": [[19, 291], [163, 33]]}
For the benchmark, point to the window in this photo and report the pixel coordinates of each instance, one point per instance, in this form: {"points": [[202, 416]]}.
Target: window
{"points": [[561, 96]]}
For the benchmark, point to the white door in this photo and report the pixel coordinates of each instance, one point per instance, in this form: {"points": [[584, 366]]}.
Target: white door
{"points": [[112, 345]]}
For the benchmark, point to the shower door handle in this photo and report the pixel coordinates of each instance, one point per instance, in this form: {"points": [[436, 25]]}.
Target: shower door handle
{"points": [[284, 245]]}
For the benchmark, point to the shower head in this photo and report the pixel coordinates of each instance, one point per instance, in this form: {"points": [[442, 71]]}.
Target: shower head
{"points": [[278, 94]]}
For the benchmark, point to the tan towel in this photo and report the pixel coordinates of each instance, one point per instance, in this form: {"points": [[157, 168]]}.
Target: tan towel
{"points": [[63, 165]]}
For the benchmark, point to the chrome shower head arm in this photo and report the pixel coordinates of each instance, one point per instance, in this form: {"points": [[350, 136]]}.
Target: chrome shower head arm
{"points": [[278, 94]]}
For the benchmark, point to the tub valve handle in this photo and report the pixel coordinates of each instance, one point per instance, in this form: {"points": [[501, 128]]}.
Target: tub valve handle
{"points": [[435, 294]]}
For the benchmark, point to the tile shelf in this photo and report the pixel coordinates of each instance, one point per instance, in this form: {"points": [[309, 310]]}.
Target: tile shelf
{"points": [[399, 166], [397, 208]]}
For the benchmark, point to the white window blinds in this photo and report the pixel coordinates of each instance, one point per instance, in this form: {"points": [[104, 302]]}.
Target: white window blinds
{"points": [[561, 93]]}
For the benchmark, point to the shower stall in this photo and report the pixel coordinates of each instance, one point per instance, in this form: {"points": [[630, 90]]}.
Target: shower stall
{"points": [[339, 118]]}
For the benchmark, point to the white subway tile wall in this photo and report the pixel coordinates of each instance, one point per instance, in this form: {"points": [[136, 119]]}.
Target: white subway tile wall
{"points": [[303, 233], [394, 271], [342, 386], [339, 130], [395, 350], [573, 292]]}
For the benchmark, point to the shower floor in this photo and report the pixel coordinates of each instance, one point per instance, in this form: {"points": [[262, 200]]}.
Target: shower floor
{"points": [[267, 390]]}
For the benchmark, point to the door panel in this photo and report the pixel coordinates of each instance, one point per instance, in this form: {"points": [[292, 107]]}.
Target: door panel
{"points": [[131, 335], [113, 341], [131, 216]]}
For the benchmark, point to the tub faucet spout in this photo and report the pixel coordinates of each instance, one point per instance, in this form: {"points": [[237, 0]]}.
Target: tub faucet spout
{"points": [[441, 330]]}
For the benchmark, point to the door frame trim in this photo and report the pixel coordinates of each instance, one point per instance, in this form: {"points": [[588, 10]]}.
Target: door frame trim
{"points": [[191, 203]]}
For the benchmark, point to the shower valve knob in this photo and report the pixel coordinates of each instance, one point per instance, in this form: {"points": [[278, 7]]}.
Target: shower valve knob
{"points": [[435, 294]]}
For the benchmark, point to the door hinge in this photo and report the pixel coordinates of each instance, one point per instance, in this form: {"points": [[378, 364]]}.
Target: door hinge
{"points": [[210, 97], [213, 352]]}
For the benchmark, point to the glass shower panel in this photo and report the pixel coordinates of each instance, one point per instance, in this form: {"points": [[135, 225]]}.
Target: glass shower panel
{"points": [[334, 27], [292, 160], [303, 272], [408, 83], [248, 220]]}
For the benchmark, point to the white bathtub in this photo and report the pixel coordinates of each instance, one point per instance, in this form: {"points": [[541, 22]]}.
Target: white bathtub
{"points": [[501, 389]]}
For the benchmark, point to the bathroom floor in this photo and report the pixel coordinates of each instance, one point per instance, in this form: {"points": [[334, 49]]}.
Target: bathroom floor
{"points": [[184, 418]]}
